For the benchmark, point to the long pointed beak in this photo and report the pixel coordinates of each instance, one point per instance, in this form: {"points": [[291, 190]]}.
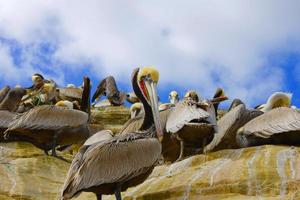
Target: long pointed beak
{"points": [[218, 99], [152, 92]]}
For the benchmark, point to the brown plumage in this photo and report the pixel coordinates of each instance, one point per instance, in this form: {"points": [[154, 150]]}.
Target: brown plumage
{"points": [[12, 99], [236, 117], [70, 94], [48, 126], [170, 145], [111, 166], [278, 126], [193, 124], [108, 87], [3, 92]]}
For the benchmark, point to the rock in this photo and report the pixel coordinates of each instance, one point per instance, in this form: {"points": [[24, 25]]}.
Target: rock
{"points": [[265, 172], [111, 118]]}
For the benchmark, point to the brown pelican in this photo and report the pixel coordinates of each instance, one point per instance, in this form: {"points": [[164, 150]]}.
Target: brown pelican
{"points": [[48, 126], [3, 92], [69, 94], [237, 116], [193, 123], [108, 87], [12, 99], [38, 81], [218, 94], [126, 160], [69, 104], [173, 98], [136, 109], [277, 126], [277, 99], [5, 118]]}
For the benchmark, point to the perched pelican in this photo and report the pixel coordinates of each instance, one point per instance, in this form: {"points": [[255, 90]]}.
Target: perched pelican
{"points": [[219, 94], [69, 94], [136, 109], [277, 99], [193, 123], [237, 116], [38, 81], [108, 87], [173, 98], [111, 166], [12, 99], [69, 104], [48, 126], [277, 126], [3, 92]]}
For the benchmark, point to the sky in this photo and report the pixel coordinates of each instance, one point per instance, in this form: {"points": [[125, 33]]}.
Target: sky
{"points": [[250, 48]]}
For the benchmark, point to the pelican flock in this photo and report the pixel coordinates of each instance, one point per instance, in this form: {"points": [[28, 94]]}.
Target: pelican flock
{"points": [[53, 117]]}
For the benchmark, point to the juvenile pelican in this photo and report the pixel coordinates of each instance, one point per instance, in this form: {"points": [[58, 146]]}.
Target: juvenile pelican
{"points": [[12, 99], [126, 160]]}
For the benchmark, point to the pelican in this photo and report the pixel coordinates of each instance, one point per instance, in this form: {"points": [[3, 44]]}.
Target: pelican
{"points": [[38, 82], [277, 99], [218, 94], [69, 104], [277, 126], [108, 87], [48, 126], [136, 109], [237, 116], [192, 122], [173, 98], [124, 161], [5, 118], [69, 94], [3, 92], [12, 100]]}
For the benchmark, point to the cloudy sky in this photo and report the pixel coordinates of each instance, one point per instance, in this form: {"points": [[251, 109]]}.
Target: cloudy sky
{"points": [[250, 48]]}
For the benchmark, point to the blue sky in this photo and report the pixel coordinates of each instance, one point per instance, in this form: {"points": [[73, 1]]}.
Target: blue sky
{"points": [[250, 48]]}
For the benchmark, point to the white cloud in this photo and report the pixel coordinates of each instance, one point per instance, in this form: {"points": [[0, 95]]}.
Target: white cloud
{"points": [[195, 44]]}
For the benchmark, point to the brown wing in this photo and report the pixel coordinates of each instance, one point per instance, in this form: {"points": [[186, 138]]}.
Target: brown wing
{"points": [[116, 160], [3, 92], [228, 125], [48, 117], [276, 121], [70, 93], [6, 117], [99, 136], [106, 87], [184, 112], [134, 124]]}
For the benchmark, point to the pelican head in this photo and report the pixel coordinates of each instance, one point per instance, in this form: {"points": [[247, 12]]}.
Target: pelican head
{"points": [[277, 99], [147, 79], [173, 97], [67, 104], [219, 96], [37, 78], [136, 109], [193, 95], [70, 85]]}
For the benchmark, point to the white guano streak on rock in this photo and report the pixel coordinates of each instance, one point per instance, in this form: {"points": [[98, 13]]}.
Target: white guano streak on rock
{"points": [[230, 157], [174, 168], [282, 157], [198, 174], [252, 179]]}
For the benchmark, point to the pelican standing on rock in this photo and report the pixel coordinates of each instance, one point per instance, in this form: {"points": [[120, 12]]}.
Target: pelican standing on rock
{"points": [[124, 161], [48, 126]]}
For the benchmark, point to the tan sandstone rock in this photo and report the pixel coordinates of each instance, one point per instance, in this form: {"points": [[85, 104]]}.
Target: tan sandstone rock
{"points": [[265, 172]]}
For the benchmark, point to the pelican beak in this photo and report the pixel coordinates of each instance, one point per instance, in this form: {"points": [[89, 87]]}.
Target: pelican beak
{"points": [[218, 99], [152, 92]]}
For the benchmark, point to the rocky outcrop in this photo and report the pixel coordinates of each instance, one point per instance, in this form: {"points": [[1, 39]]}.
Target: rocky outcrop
{"points": [[111, 118], [265, 172]]}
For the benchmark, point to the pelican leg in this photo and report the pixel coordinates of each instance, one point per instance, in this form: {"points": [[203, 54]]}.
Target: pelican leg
{"points": [[99, 196], [118, 193], [181, 151], [46, 152], [54, 154]]}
